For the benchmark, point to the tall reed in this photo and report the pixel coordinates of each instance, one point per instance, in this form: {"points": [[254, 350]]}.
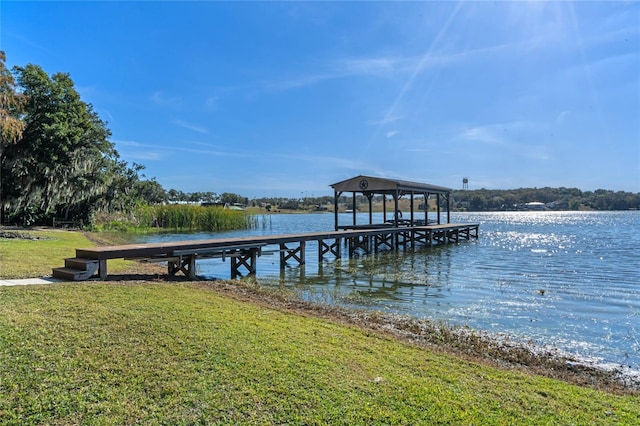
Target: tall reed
{"points": [[183, 217]]}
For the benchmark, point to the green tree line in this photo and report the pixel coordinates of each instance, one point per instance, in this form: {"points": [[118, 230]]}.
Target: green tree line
{"points": [[461, 200], [553, 198]]}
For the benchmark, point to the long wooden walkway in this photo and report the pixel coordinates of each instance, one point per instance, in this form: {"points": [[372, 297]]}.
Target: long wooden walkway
{"points": [[243, 252]]}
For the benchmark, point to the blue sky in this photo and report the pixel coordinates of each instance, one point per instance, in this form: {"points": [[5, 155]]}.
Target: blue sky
{"points": [[285, 98]]}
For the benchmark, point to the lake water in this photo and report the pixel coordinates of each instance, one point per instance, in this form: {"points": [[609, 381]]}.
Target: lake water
{"points": [[569, 280]]}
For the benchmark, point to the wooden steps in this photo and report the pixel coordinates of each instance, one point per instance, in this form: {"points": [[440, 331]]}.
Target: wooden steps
{"points": [[77, 269]]}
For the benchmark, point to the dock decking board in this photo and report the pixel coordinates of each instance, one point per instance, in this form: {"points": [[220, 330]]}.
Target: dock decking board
{"points": [[181, 255]]}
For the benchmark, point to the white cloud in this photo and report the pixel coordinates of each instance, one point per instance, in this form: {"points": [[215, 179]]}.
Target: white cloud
{"points": [[371, 66], [216, 153], [328, 162], [160, 98], [134, 150], [190, 126], [482, 134], [562, 116], [385, 66], [144, 155], [500, 133], [379, 66], [212, 102], [392, 133], [537, 152], [302, 81], [518, 138], [385, 120], [129, 143]]}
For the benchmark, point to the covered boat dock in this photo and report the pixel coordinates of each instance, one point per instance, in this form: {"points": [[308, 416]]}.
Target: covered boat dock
{"points": [[360, 239], [395, 189]]}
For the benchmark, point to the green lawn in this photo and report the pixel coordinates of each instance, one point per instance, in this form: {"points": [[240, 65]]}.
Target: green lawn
{"points": [[160, 353], [35, 257]]}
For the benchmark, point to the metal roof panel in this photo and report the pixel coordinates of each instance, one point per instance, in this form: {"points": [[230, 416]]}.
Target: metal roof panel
{"points": [[380, 185]]}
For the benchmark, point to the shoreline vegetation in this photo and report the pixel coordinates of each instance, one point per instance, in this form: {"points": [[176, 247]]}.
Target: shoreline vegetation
{"points": [[178, 218], [233, 351]]}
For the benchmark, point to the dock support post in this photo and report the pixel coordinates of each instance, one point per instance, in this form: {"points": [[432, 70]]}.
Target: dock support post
{"points": [[302, 250], [336, 195], [359, 242], [234, 268], [332, 248], [287, 253], [192, 267], [384, 208], [411, 203], [186, 264], [383, 240], [354, 207], [102, 269], [246, 258]]}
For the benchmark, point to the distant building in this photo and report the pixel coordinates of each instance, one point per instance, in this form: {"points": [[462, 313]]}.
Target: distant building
{"points": [[532, 206], [558, 205]]}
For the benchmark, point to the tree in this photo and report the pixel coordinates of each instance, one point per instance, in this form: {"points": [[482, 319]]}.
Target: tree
{"points": [[175, 195], [57, 159], [231, 198], [150, 192], [11, 126], [120, 194], [11, 107], [477, 203], [60, 160]]}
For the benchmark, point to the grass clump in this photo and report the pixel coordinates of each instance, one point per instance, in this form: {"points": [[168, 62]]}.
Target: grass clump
{"points": [[183, 217], [159, 353]]}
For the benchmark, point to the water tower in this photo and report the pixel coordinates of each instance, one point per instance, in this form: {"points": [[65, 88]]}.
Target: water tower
{"points": [[465, 183]]}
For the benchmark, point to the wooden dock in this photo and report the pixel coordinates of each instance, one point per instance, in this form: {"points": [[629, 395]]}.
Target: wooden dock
{"points": [[243, 252]]}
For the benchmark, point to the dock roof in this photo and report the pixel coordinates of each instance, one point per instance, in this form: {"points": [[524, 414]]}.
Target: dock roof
{"points": [[379, 185]]}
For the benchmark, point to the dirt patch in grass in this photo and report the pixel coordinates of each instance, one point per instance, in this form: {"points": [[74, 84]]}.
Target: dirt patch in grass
{"points": [[17, 235]]}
